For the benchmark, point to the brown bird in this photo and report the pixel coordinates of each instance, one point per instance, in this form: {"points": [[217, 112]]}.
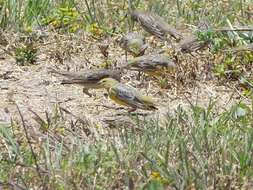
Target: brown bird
{"points": [[133, 43], [155, 25], [192, 43], [153, 64], [89, 78], [103, 47]]}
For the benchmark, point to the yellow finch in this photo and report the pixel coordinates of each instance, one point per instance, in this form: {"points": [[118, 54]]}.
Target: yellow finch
{"points": [[155, 25], [89, 78], [133, 43], [127, 96], [153, 64]]}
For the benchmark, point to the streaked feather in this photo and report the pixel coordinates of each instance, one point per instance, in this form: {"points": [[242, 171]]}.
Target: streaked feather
{"points": [[127, 95], [155, 25], [192, 44], [88, 78], [150, 63]]}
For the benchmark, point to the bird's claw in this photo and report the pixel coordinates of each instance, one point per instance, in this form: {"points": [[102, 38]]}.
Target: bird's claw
{"points": [[86, 91]]}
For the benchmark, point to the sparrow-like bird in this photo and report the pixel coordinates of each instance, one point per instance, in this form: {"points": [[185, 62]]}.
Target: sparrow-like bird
{"points": [[192, 43], [127, 95], [89, 78], [155, 25], [153, 64]]}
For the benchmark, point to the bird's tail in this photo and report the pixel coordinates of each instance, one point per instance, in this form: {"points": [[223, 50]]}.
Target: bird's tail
{"points": [[67, 82], [63, 73], [153, 107], [72, 81]]}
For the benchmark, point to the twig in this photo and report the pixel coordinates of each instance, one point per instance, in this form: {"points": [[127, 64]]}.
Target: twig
{"points": [[30, 144]]}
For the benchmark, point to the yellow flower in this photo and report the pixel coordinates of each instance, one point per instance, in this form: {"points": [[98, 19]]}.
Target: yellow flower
{"points": [[156, 175]]}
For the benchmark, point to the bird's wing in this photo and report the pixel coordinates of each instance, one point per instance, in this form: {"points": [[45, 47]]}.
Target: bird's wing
{"points": [[150, 62], [163, 61], [141, 63], [148, 22], [191, 44], [96, 75], [132, 97], [129, 96], [69, 74], [87, 77], [166, 28], [126, 94]]}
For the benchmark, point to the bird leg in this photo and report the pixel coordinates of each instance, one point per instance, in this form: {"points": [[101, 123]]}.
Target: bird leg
{"points": [[86, 91], [139, 75], [126, 56]]}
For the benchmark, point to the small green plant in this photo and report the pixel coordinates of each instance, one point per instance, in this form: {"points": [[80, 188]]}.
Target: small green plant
{"points": [[229, 63], [217, 40], [163, 82], [95, 30], [26, 54], [227, 68], [233, 65], [246, 85]]}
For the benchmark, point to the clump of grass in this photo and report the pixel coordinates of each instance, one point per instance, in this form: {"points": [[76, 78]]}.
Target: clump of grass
{"points": [[198, 149], [26, 54]]}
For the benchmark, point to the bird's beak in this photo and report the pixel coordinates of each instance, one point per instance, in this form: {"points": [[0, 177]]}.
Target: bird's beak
{"points": [[100, 82]]}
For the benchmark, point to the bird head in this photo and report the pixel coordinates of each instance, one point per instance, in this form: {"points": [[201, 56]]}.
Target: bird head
{"points": [[134, 15], [117, 74], [121, 41], [107, 82]]}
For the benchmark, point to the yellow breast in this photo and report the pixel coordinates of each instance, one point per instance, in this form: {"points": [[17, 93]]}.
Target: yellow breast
{"points": [[118, 101]]}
